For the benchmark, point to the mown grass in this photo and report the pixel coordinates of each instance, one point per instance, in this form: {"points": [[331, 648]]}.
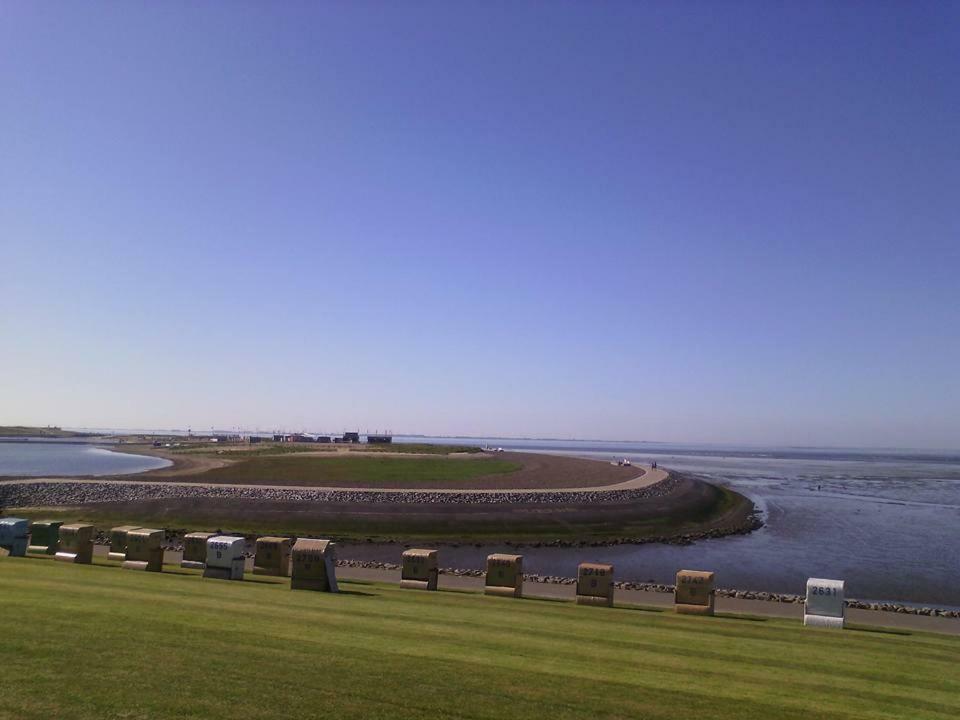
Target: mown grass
{"points": [[356, 471], [105, 643]]}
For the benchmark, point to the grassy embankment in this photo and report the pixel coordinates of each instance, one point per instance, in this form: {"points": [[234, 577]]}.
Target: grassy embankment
{"points": [[357, 471], [104, 643], [722, 508], [13, 431]]}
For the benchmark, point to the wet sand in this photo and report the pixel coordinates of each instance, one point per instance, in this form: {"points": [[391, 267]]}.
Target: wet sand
{"points": [[183, 463]]}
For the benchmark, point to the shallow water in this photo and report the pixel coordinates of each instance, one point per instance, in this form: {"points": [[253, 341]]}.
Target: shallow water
{"points": [[45, 458], [887, 522]]}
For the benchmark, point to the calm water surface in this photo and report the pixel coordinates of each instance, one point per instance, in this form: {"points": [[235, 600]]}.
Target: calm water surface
{"points": [[887, 522], [37, 458]]}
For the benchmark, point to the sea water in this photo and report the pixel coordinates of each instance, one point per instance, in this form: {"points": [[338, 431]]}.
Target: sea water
{"points": [[51, 458], [886, 521]]}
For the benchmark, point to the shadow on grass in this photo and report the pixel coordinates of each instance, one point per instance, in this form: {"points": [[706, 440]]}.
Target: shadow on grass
{"points": [[878, 630], [102, 564], [459, 591], [479, 592], [643, 608], [265, 579], [544, 598], [745, 618], [174, 570], [550, 599], [358, 593]]}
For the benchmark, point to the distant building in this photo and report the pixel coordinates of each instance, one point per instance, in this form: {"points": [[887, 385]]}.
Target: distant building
{"points": [[351, 437], [379, 439], [323, 438], [255, 439]]}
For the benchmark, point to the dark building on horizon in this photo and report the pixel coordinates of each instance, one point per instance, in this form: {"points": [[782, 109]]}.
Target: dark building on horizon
{"points": [[351, 437], [379, 439]]}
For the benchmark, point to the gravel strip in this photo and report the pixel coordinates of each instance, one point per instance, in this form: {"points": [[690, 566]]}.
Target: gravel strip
{"points": [[68, 493]]}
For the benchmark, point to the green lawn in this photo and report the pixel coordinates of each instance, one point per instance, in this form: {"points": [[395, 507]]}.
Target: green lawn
{"points": [[356, 471], [100, 642]]}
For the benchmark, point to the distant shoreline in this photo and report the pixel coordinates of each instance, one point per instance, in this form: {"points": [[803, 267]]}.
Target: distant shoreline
{"points": [[28, 433], [701, 444]]}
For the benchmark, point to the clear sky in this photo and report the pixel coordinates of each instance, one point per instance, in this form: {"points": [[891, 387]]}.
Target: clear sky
{"points": [[683, 221]]}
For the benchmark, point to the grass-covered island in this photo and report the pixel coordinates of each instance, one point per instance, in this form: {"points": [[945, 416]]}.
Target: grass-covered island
{"points": [[344, 470], [50, 431], [99, 642], [430, 493]]}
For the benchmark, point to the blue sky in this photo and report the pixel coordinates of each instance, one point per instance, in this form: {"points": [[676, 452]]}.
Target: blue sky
{"points": [[719, 222]]}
